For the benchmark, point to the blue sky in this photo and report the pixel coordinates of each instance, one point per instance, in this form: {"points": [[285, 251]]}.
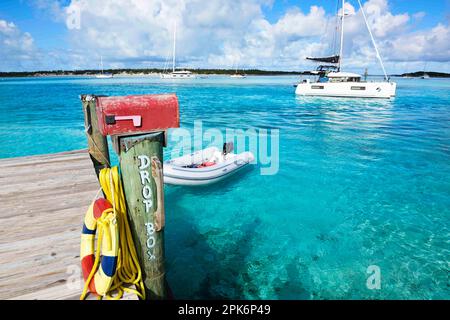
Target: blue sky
{"points": [[39, 37]]}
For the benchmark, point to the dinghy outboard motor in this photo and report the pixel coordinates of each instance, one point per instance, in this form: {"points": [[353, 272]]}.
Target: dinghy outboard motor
{"points": [[228, 147]]}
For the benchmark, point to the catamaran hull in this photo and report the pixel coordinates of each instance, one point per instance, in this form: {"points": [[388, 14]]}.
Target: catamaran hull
{"points": [[347, 89]]}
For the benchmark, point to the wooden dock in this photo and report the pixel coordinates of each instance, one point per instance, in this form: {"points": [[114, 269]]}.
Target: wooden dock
{"points": [[43, 200]]}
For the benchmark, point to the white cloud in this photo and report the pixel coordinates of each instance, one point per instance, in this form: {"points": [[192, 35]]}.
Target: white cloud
{"points": [[419, 15], [285, 43], [51, 8], [396, 39], [143, 30], [382, 22], [221, 33], [429, 45], [296, 23], [213, 33], [16, 47]]}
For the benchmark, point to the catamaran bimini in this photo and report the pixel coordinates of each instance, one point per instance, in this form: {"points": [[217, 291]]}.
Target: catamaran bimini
{"points": [[181, 74], [333, 82]]}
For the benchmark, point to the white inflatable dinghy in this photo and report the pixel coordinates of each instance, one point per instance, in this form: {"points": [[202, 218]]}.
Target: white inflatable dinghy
{"points": [[206, 166]]}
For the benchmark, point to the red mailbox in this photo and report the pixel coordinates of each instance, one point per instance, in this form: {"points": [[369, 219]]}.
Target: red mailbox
{"points": [[137, 114]]}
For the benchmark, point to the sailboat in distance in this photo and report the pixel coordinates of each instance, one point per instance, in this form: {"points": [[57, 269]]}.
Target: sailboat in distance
{"points": [[425, 75], [238, 75], [333, 82], [103, 75], [180, 74]]}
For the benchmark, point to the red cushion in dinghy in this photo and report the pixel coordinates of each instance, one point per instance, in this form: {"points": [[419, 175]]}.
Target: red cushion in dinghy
{"points": [[207, 164]]}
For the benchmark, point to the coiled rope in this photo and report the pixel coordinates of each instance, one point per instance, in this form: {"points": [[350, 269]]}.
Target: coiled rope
{"points": [[128, 271]]}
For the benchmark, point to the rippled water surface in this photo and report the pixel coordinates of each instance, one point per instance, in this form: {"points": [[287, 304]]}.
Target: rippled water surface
{"points": [[360, 183]]}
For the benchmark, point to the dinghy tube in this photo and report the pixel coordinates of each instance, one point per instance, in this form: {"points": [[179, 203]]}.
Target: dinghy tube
{"points": [[204, 167]]}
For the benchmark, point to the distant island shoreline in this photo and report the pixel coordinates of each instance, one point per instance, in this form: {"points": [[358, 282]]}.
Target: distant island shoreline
{"points": [[206, 72], [142, 72]]}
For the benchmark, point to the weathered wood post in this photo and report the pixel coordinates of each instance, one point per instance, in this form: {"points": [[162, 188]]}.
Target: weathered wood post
{"points": [[97, 143], [141, 159], [138, 125]]}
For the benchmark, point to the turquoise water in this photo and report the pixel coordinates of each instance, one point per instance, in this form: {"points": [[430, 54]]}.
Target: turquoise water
{"points": [[360, 183]]}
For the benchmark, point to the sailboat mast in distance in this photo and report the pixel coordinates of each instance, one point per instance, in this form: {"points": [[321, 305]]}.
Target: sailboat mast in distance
{"points": [[102, 74], [174, 45], [236, 74], [180, 74]]}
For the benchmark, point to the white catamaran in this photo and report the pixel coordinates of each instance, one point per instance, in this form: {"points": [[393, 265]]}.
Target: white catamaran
{"points": [[180, 74], [333, 82]]}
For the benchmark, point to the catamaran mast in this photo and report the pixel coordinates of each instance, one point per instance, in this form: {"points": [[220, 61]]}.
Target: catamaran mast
{"points": [[101, 63], [342, 36], [174, 46]]}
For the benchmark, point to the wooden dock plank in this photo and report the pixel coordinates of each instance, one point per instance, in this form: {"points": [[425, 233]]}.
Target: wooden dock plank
{"points": [[43, 200]]}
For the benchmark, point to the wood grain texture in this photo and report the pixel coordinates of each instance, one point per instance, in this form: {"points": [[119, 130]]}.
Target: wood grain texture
{"points": [[97, 143], [151, 258], [43, 200]]}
